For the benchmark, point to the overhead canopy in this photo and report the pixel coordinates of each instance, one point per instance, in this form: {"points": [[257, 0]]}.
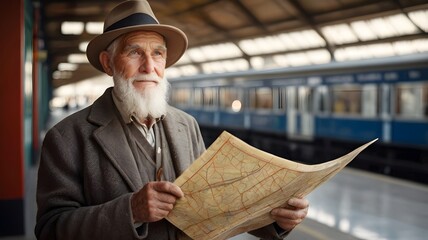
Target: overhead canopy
{"points": [[233, 35]]}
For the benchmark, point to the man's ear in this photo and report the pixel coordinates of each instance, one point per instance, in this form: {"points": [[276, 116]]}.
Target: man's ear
{"points": [[104, 58]]}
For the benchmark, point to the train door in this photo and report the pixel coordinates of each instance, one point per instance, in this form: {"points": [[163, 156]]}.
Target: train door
{"points": [[291, 95], [385, 111], [305, 110], [300, 118]]}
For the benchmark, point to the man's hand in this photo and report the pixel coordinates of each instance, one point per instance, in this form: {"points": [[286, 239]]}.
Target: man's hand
{"points": [[291, 215], [154, 201]]}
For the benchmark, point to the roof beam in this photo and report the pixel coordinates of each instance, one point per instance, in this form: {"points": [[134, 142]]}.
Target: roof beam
{"points": [[250, 15], [304, 16], [406, 13]]}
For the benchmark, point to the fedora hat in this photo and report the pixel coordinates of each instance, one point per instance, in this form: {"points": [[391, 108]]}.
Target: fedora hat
{"points": [[130, 16]]}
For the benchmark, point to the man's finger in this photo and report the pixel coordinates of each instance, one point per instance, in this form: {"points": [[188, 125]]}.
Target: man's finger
{"points": [[298, 203], [168, 187]]}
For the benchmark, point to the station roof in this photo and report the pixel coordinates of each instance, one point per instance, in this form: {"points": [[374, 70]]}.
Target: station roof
{"points": [[234, 35]]}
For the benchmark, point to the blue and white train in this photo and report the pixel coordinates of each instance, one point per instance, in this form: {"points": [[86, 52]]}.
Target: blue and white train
{"points": [[347, 101]]}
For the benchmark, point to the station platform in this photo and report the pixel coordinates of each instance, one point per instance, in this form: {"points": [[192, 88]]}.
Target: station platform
{"points": [[354, 204]]}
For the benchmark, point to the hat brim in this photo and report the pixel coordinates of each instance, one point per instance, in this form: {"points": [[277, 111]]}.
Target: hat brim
{"points": [[176, 42]]}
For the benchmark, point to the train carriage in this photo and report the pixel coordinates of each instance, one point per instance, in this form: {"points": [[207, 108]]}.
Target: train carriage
{"points": [[346, 102]]}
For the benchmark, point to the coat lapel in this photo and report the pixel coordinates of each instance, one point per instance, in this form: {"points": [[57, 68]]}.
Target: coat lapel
{"points": [[112, 140], [176, 131]]}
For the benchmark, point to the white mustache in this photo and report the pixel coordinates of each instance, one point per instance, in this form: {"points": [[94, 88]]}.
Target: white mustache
{"points": [[146, 77]]}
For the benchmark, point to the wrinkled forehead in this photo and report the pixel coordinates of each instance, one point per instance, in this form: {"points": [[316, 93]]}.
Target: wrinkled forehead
{"points": [[143, 37]]}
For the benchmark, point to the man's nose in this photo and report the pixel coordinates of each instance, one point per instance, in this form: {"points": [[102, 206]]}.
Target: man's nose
{"points": [[147, 65]]}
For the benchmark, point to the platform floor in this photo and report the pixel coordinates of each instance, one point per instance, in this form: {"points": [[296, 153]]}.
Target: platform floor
{"points": [[354, 204]]}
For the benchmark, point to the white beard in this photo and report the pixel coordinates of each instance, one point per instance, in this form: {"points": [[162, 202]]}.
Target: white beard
{"points": [[152, 102]]}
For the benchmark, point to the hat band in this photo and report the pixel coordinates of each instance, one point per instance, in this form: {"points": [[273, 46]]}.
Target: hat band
{"points": [[132, 20]]}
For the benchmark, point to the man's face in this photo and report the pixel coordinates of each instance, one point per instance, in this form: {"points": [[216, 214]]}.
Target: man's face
{"points": [[138, 74], [141, 57]]}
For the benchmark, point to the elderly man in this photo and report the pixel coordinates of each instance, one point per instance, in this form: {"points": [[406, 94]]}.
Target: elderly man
{"points": [[106, 172]]}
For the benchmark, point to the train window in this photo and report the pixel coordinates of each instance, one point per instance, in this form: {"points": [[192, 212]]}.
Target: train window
{"points": [[425, 100], [305, 99], [231, 98], [412, 100], [292, 98], [181, 96], [261, 98], [385, 101], [370, 100], [209, 97], [197, 97], [346, 99], [321, 99], [282, 98]]}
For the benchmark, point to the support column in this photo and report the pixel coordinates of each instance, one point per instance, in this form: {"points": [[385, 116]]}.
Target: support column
{"points": [[12, 120]]}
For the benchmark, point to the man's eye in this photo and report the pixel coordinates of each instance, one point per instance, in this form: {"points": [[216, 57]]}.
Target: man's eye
{"points": [[133, 52], [159, 54]]}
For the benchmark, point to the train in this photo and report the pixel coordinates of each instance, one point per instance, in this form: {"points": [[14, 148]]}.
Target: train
{"points": [[336, 104]]}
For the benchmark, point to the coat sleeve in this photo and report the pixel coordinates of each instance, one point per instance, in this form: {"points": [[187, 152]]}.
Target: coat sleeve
{"points": [[268, 232], [63, 212]]}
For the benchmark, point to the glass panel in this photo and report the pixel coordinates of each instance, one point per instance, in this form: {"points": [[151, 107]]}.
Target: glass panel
{"points": [[305, 100], [181, 96], [411, 100], [291, 98], [197, 97], [209, 97], [321, 101], [347, 100], [230, 98], [252, 98], [370, 100], [425, 99], [261, 98], [282, 98]]}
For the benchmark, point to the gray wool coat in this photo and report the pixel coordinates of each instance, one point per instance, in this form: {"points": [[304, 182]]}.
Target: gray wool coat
{"points": [[87, 172]]}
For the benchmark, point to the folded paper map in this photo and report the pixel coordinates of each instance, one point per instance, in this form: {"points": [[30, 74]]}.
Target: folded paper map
{"points": [[232, 187]]}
